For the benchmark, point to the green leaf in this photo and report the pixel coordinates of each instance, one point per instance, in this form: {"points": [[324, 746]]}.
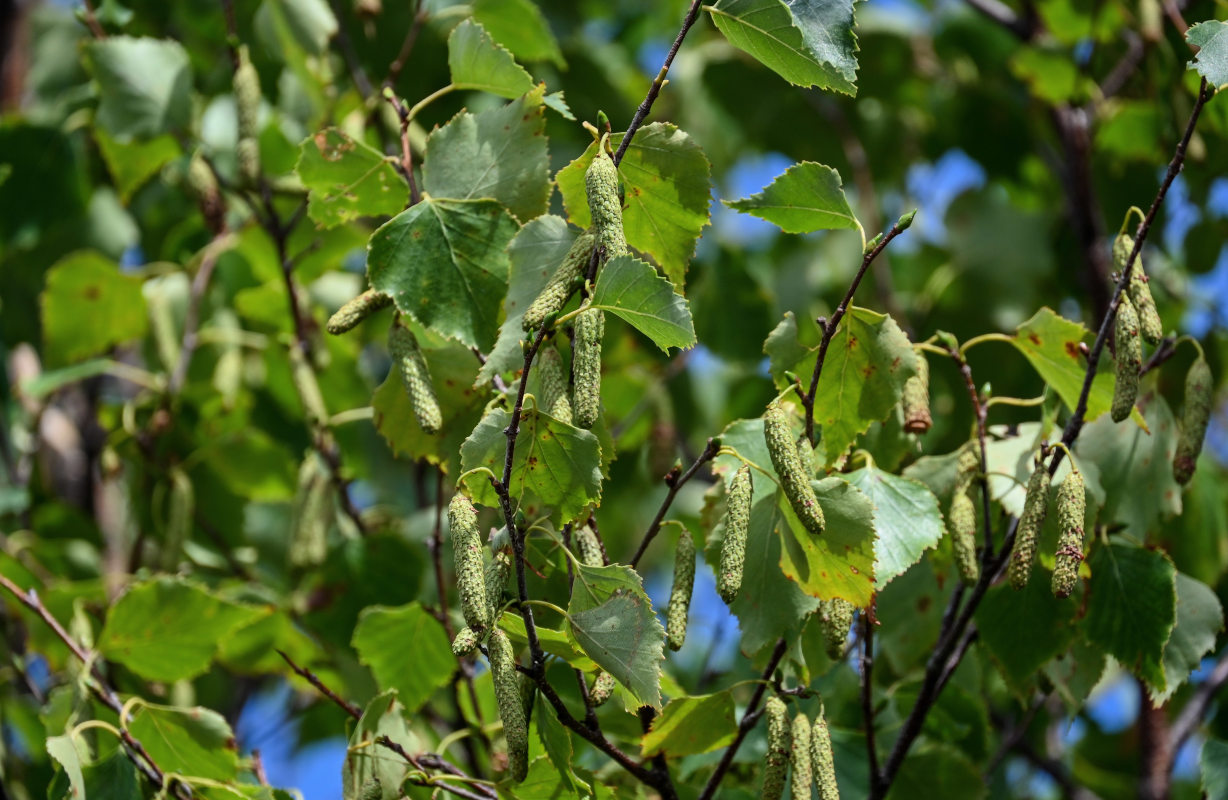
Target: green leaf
{"points": [[132, 164], [553, 642], [144, 86], [89, 306], [840, 563], [113, 778], [614, 622], [635, 292], [1200, 618], [691, 725], [938, 770], [557, 467], [1135, 468], [168, 629], [1050, 343], [477, 62], [1211, 37], [806, 42], [555, 739], [444, 263], [309, 23], [1213, 764], [1051, 76], [452, 369], [407, 650], [666, 182], [499, 153], [365, 760], [906, 517], [346, 179], [188, 741], [64, 750], [535, 253], [806, 197], [867, 363], [769, 605], [520, 27], [1024, 629], [1133, 608]]}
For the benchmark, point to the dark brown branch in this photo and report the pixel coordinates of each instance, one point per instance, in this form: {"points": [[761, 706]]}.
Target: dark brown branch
{"points": [[407, 46], [829, 325], [867, 690], [641, 113], [309, 676], [749, 718], [675, 482], [1166, 350], [1002, 14], [1191, 715], [191, 319]]}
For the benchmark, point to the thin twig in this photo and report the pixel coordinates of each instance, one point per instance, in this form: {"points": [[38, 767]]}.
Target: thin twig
{"points": [[829, 325], [675, 482], [407, 46], [749, 717], [309, 676], [982, 412], [1191, 715], [91, 20], [867, 690]]}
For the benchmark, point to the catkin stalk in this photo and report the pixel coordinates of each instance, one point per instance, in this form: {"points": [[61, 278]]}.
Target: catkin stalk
{"points": [[776, 762], [558, 287], [836, 616], [554, 400], [916, 399], [356, 310], [823, 762], [962, 519], [788, 464], [511, 709], [1199, 398], [467, 554], [586, 366], [1129, 359], [1035, 503], [737, 524], [680, 596], [411, 363], [1070, 510], [801, 759], [1139, 289]]}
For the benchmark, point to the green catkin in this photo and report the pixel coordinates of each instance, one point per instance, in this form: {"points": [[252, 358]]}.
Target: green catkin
{"points": [[247, 106], [962, 520], [805, 451], [788, 464], [1139, 288], [204, 186], [467, 554], [1129, 359], [558, 287], [356, 310], [776, 762], [801, 759], [465, 642], [966, 467], [1199, 397], [554, 400], [836, 617], [528, 690], [1070, 510], [371, 789], [737, 523], [680, 596], [179, 513], [411, 363], [602, 689], [307, 387], [601, 182], [587, 548], [497, 574], [586, 366], [1035, 503], [916, 399], [511, 708], [311, 513], [822, 761]]}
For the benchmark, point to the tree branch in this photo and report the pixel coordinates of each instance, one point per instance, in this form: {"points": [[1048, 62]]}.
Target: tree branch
{"points": [[867, 690], [675, 482], [1191, 715]]}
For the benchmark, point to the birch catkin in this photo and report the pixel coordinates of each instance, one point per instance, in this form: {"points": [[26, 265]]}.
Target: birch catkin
{"points": [[1070, 510], [356, 310], [776, 762], [511, 709], [1035, 503], [311, 514], [558, 287], [586, 366], [916, 399], [411, 363], [601, 182], [788, 464], [467, 555], [836, 617], [680, 596], [1199, 398], [247, 105], [1139, 289], [602, 689], [823, 762], [465, 641], [801, 759], [554, 400], [1129, 359], [737, 523], [588, 549], [496, 578], [962, 519]]}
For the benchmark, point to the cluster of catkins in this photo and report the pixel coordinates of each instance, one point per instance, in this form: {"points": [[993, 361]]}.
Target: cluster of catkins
{"points": [[1137, 320], [1071, 506], [799, 747]]}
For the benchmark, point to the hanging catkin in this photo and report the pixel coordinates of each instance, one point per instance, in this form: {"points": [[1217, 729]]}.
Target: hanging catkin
{"points": [[1070, 511], [788, 465], [1129, 359], [511, 704], [356, 310], [411, 363], [1199, 398], [1035, 503], [467, 555], [680, 596], [737, 523], [776, 762]]}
